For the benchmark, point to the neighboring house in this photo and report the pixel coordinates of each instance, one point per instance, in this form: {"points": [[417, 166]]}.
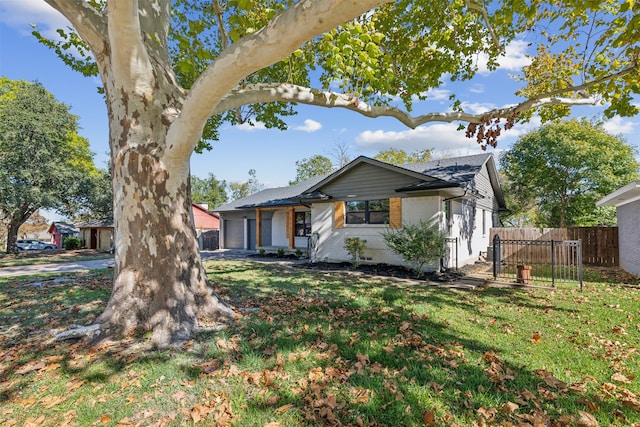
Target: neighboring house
{"points": [[207, 226], [60, 231], [627, 203], [97, 234], [365, 197]]}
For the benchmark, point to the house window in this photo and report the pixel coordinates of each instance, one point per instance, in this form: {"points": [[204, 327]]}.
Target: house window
{"points": [[448, 215], [303, 223], [368, 211]]}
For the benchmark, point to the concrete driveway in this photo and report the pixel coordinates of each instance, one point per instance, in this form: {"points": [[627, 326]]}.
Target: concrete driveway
{"points": [[65, 267], [59, 267]]}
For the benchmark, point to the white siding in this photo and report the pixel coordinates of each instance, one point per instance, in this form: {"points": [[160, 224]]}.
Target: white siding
{"points": [[279, 229], [331, 240], [629, 236]]}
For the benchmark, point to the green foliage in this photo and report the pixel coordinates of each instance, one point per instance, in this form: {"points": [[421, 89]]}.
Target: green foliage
{"points": [[310, 167], [355, 247], [555, 175], [280, 252], [42, 159], [400, 157], [244, 189], [417, 244], [208, 190], [71, 243]]}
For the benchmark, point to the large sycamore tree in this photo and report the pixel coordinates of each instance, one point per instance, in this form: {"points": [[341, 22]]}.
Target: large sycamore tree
{"points": [[173, 71]]}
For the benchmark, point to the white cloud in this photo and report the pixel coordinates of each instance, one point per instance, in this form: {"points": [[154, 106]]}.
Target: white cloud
{"points": [[249, 128], [514, 59], [441, 138], [477, 107], [309, 126], [619, 126], [438, 94], [19, 14], [477, 88]]}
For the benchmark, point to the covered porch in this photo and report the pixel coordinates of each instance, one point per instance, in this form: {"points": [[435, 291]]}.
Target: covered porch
{"points": [[283, 229]]}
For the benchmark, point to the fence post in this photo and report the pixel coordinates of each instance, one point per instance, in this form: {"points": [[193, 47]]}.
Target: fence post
{"points": [[553, 264], [496, 257]]}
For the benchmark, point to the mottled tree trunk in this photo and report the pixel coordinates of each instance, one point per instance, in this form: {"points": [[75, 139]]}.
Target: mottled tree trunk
{"points": [[159, 282]]}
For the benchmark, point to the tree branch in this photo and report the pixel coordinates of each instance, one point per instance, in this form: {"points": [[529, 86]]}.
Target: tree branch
{"points": [[278, 39], [87, 21], [285, 92], [485, 16], [130, 60]]}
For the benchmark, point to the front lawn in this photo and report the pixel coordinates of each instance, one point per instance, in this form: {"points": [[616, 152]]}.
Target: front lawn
{"points": [[315, 348], [50, 256]]}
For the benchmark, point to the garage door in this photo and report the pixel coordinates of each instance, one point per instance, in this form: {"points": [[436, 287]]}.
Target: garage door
{"points": [[234, 234]]}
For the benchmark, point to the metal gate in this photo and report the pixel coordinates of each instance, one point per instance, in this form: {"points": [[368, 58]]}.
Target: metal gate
{"points": [[210, 240], [537, 261]]}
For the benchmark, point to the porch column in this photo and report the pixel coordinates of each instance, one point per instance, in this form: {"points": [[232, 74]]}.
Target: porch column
{"points": [[258, 227], [291, 213]]}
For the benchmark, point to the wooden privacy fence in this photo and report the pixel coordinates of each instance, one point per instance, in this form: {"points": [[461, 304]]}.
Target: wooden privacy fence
{"points": [[599, 244]]}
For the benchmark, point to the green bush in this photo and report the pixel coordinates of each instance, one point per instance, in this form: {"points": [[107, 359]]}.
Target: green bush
{"points": [[280, 252], [355, 246], [71, 243], [417, 244]]}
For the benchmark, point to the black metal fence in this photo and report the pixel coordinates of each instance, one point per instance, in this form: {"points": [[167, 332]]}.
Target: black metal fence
{"points": [[210, 240], [531, 262]]}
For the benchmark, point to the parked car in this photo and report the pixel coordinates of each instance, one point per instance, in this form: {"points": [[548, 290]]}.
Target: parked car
{"points": [[33, 245]]}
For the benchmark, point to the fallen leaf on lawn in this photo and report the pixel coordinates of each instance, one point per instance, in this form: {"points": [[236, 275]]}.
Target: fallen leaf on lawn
{"points": [[105, 419], [273, 424], [620, 378], [509, 408], [429, 418], [284, 408], [51, 401], [30, 367], [536, 338], [34, 422], [587, 420]]}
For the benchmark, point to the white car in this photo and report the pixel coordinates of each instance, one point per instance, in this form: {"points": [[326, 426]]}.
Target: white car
{"points": [[33, 245]]}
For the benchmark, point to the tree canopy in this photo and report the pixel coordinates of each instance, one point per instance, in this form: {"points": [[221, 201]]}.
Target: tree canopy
{"points": [[310, 167], [400, 157], [209, 190], [557, 173], [42, 158]]}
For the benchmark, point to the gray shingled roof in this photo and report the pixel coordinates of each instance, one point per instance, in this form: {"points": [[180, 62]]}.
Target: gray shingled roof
{"points": [[460, 170], [280, 196], [451, 172]]}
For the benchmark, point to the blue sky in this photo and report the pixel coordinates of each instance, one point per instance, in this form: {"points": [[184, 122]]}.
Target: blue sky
{"points": [[273, 153]]}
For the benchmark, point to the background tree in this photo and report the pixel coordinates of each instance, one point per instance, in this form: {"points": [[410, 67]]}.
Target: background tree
{"points": [[209, 190], [399, 157], [173, 72], [564, 168], [310, 167], [243, 189], [41, 155], [35, 224]]}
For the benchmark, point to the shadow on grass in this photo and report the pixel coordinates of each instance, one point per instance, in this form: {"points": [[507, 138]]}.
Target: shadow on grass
{"points": [[326, 347]]}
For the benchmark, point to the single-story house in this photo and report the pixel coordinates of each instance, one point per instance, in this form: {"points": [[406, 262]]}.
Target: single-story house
{"points": [[365, 197], [627, 203], [60, 231], [97, 234]]}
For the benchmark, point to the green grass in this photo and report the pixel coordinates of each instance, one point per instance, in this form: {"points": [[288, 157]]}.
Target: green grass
{"points": [[329, 348]]}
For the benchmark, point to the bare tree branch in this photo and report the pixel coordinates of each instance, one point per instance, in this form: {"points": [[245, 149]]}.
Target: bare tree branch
{"points": [[260, 93]]}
